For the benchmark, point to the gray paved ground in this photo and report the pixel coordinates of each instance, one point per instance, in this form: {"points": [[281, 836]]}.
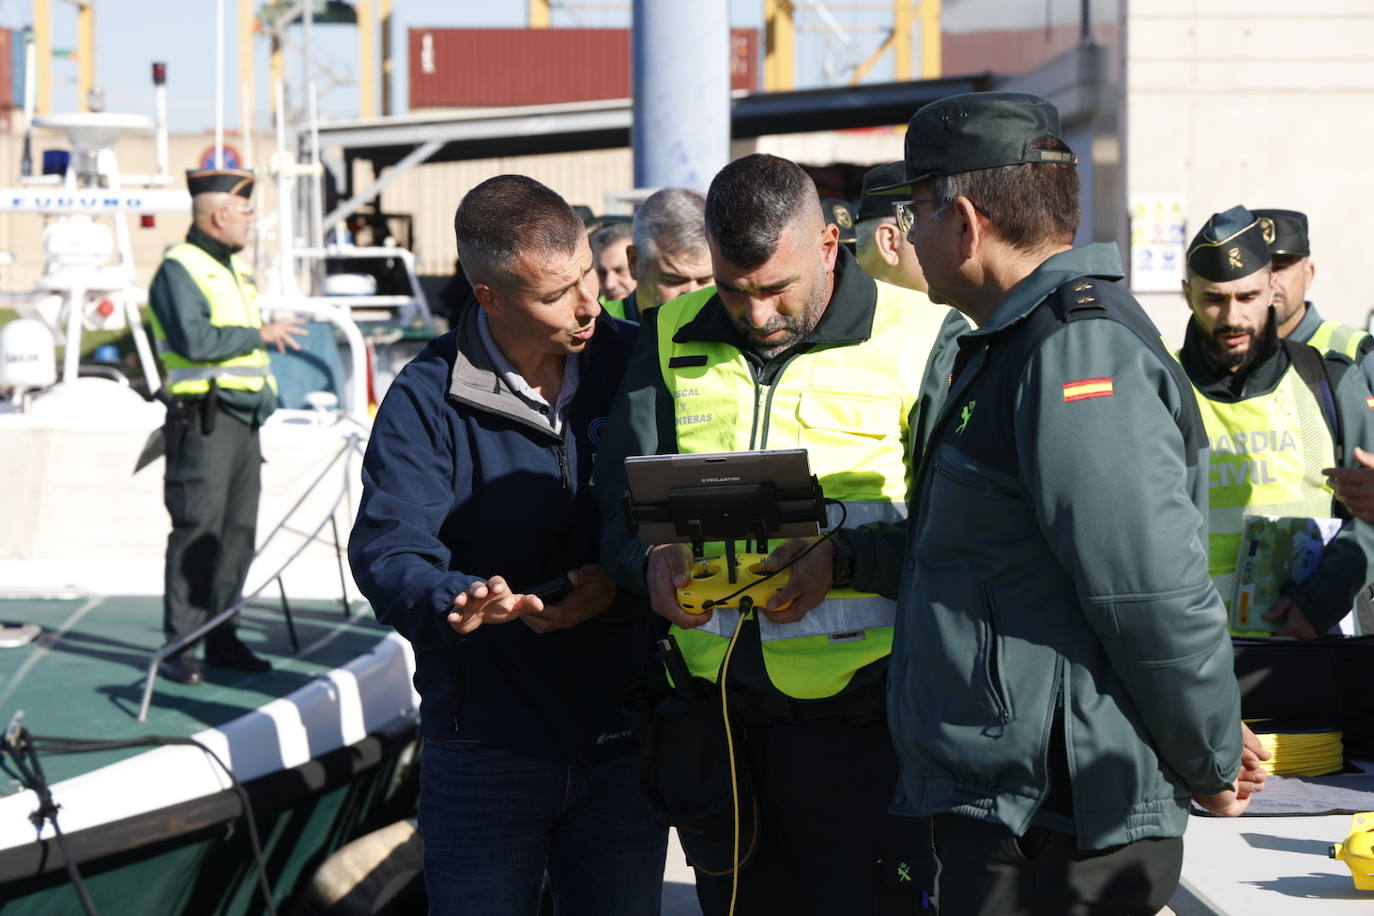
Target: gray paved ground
{"points": [[679, 885]]}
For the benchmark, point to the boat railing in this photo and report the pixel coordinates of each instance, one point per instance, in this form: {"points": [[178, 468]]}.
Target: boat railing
{"points": [[351, 448]]}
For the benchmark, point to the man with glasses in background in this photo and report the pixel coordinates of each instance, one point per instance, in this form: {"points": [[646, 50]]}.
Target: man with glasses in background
{"points": [[1061, 677], [211, 339]]}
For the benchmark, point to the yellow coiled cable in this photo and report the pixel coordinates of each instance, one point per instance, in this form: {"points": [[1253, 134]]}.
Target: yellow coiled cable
{"points": [[1302, 753]]}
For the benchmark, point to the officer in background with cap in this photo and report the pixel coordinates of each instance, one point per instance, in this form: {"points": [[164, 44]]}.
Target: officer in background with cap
{"points": [[1061, 680], [1276, 413], [210, 338], [1290, 259], [881, 245]]}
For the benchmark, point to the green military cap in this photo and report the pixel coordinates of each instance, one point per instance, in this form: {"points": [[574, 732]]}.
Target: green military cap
{"points": [[980, 130], [883, 187], [1231, 245], [228, 181], [837, 212], [1285, 231]]}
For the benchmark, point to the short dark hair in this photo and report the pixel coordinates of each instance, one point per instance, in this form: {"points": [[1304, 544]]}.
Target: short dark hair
{"points": [[508, 216], [752, 201], [1030, 204]]}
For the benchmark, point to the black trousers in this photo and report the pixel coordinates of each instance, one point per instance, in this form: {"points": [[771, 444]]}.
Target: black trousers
{"points": [[984, 868], [211, 492], [826, 844]]}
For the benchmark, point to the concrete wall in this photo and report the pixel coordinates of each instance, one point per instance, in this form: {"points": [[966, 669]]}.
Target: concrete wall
{"points": [[1262, 103]]}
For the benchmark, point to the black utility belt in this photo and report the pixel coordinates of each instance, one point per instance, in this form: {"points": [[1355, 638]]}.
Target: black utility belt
{"points": [[757, 707]]}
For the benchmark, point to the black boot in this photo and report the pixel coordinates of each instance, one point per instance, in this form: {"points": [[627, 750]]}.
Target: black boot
{"points": [[230, 652], [183, 668]]}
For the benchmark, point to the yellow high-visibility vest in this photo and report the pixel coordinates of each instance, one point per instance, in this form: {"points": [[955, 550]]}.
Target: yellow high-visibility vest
{"points": [[233, 302], [1342, 338], [849, 407], [1266, 458]]}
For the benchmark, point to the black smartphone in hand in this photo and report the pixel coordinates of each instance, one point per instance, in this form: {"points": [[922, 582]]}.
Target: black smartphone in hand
{"points": [[553, 591]]}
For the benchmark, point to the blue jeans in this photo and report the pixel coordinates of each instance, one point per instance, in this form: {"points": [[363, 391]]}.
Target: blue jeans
{"points": [[494, 822]]}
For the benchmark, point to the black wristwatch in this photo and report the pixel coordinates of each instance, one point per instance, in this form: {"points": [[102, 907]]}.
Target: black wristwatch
{"points": [[842, 569]]}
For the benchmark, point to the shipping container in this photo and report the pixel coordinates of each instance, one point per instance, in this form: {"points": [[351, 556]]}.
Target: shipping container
{"points": [[493, 68]]}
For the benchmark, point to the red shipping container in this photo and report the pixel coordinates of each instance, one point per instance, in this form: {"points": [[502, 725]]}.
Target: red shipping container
{"points": [[481, 68]]}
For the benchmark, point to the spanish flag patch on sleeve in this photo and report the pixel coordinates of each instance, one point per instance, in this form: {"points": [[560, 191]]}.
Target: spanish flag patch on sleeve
{"points": [[1369, 402], [1086, 388]]}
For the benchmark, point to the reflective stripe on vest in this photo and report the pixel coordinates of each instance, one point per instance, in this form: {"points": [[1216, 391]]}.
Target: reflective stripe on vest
{"points": [[233, 302], [1342, 338], [849, 407], [217, 372], [830, 617], [858, 513], [1266, 457]]}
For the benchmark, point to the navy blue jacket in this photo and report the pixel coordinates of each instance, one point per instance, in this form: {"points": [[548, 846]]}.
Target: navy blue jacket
{"points": [[463, 480]]}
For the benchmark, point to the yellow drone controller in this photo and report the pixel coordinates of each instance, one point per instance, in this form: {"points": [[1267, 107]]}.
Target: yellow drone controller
{"points": [[711, 582]]}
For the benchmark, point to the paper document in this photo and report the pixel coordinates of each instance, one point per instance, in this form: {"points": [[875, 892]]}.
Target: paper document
{"points": [[1275, 551]]}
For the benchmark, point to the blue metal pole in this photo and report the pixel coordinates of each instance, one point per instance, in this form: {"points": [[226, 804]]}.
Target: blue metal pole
{"points": [[681, 53]]}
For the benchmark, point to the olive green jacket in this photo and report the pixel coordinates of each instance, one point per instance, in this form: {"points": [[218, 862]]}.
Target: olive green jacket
{"points": [[1058, 569]]}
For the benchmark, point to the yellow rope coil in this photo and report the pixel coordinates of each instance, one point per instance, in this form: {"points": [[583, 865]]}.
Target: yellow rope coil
{"points": [[1302, 753]]}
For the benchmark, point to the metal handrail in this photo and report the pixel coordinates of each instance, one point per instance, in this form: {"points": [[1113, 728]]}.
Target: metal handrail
{"points": [[350, 447]]}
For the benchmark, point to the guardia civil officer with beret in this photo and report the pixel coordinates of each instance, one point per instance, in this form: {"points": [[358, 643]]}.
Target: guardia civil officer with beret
{"points": [[1277, 412], [1290, 260], [211, 339], [1061, 679]]}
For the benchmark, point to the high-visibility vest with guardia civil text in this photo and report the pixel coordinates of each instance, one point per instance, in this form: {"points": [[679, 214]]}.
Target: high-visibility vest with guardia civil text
{"points": [[1266, 458]]}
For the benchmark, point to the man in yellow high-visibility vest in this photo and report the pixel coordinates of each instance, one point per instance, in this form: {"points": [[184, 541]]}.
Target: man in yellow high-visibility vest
{"points": [[211, 340], [667, 253], [793, 347], [1277, 412]]}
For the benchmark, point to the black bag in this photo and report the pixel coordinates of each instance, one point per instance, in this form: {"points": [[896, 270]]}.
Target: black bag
{"points": [[1310, 684], [686, 777]]}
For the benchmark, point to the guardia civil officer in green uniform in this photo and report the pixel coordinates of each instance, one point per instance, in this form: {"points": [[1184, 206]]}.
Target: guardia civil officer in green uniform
{"points": [[1061, 679], [1277, 413], [793, 347], [1290, 259], [881, 245], [210, 338]]}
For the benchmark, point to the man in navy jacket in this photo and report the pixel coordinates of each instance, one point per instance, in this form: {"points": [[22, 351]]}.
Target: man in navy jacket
{"points": [[474, 501]]}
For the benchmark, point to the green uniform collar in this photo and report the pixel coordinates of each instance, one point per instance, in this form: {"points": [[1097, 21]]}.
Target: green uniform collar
{"points": [[1214, 382], [1305, 328], [848, 318], [214, 247], [1100, 259]]}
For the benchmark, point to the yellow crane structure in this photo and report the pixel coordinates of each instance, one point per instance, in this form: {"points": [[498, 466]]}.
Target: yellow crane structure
{"points": [[43, 53]]}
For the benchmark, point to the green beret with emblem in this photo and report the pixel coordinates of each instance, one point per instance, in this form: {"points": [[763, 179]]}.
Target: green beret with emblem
{"points": [[226, 181], [1286, 232], [1231, 245]]}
